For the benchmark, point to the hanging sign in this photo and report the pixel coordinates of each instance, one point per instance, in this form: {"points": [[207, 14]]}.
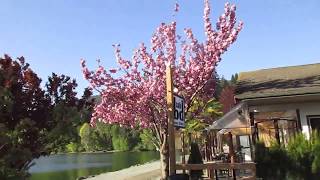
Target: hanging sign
{"points": [[179, 120]]}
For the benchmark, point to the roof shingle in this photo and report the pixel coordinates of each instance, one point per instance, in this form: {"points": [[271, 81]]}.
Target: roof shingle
{"points": [[282, 81]]}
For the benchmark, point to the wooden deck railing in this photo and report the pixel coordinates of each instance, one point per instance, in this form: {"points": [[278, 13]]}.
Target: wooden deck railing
{"points": [[214, 166]]}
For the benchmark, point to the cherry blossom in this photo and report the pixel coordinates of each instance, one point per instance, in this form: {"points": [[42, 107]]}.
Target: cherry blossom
{"points": [[134, 93]]}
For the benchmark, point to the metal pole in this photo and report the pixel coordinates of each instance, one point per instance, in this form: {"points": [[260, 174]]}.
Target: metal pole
{"points": [[171, 136]]}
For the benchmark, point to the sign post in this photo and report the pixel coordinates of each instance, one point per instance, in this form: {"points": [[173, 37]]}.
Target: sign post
{"points": [[171, 136]]}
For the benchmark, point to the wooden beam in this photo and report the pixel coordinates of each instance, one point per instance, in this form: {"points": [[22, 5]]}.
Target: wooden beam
{"points": [[253, 128], [231, 148], [171, 136], [231, 153], [213, 165], [276, 127], [183, 151], [299, 120]]}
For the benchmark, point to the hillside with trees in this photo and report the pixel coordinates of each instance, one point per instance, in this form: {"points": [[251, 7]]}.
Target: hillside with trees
{"points": [[37, 121]]}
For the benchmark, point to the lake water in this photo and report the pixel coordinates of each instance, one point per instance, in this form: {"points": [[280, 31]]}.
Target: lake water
{"points": [[71, 166]]}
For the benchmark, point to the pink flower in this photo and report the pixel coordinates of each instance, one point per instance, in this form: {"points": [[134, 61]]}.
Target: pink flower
{"points": [[113, 70], [176, 7], [138, 95]]}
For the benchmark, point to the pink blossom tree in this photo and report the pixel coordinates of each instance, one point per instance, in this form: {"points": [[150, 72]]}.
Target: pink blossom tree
{"points": [[134, 93]]}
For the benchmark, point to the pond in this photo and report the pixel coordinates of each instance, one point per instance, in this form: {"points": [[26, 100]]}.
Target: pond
{"points": [[71, 166]]}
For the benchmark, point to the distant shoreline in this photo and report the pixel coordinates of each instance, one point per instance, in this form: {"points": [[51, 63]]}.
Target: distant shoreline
{"points": [[96, 152]]}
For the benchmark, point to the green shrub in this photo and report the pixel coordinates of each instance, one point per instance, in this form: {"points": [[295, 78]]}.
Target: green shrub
{"points": [[272, 163], [147, 140], [280, 161], [316, 151], [299, 160], [120, 143], [195, 158], [103, 136], [262, 159], [85, 133], [305, 155], [74, 147]]}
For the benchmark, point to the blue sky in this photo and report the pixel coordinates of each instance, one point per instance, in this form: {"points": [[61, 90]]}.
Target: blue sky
{"points": [[54, 35]]}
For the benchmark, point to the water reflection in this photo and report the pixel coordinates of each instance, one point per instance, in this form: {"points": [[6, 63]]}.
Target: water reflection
{"points": [[71, 166]]}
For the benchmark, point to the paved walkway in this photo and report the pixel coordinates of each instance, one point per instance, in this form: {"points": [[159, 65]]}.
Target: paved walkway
{"points": [[148, 171]]}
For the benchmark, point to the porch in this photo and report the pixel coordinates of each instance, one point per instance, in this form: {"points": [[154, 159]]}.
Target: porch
{"points": [[244, 125]]}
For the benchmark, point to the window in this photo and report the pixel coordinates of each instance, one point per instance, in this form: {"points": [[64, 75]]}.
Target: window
{"points": [[314, 122], [244, 143]]}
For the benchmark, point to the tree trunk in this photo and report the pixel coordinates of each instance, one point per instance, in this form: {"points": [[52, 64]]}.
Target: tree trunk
{"points": [[164, 161]]}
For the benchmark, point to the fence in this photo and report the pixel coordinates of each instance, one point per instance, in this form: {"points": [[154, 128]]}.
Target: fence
{"points": [[214, 166]]}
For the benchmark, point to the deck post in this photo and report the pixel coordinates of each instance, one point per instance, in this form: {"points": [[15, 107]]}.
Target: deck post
{"points": [[231, 149], [183, 151], [253, 128], [213, 144], [299, 127], [232, 154], [276, 127]]}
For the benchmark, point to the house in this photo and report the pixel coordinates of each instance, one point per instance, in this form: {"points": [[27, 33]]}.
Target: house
{"points": [[272, 105]]}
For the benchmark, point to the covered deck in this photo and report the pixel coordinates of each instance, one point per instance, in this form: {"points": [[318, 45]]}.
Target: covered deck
{"points": [[222, 159], [230, 141], [244, 125]]}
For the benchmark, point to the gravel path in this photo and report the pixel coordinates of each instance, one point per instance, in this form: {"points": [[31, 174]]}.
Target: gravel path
{"points": [[148, 171]]}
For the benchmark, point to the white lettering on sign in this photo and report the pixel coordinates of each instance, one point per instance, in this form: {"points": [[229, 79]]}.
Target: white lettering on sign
{"points": [[178, 111]]}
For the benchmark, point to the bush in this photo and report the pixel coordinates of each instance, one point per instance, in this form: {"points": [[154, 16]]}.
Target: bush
{"points": [[85, 134], [113, 137], [15, 153], [124, 139], [305, 156], [300, 160], [272, 163], [103, 135], [195, 158], [147, 140], [74, 147], [120, 143]]}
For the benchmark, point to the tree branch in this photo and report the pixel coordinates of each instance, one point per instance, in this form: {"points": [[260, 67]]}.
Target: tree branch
{"points": [[3, 146], [195, 94]]}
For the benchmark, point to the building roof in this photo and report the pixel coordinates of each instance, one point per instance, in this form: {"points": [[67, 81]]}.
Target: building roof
{"points": [[233, 119], [282, 81]]}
